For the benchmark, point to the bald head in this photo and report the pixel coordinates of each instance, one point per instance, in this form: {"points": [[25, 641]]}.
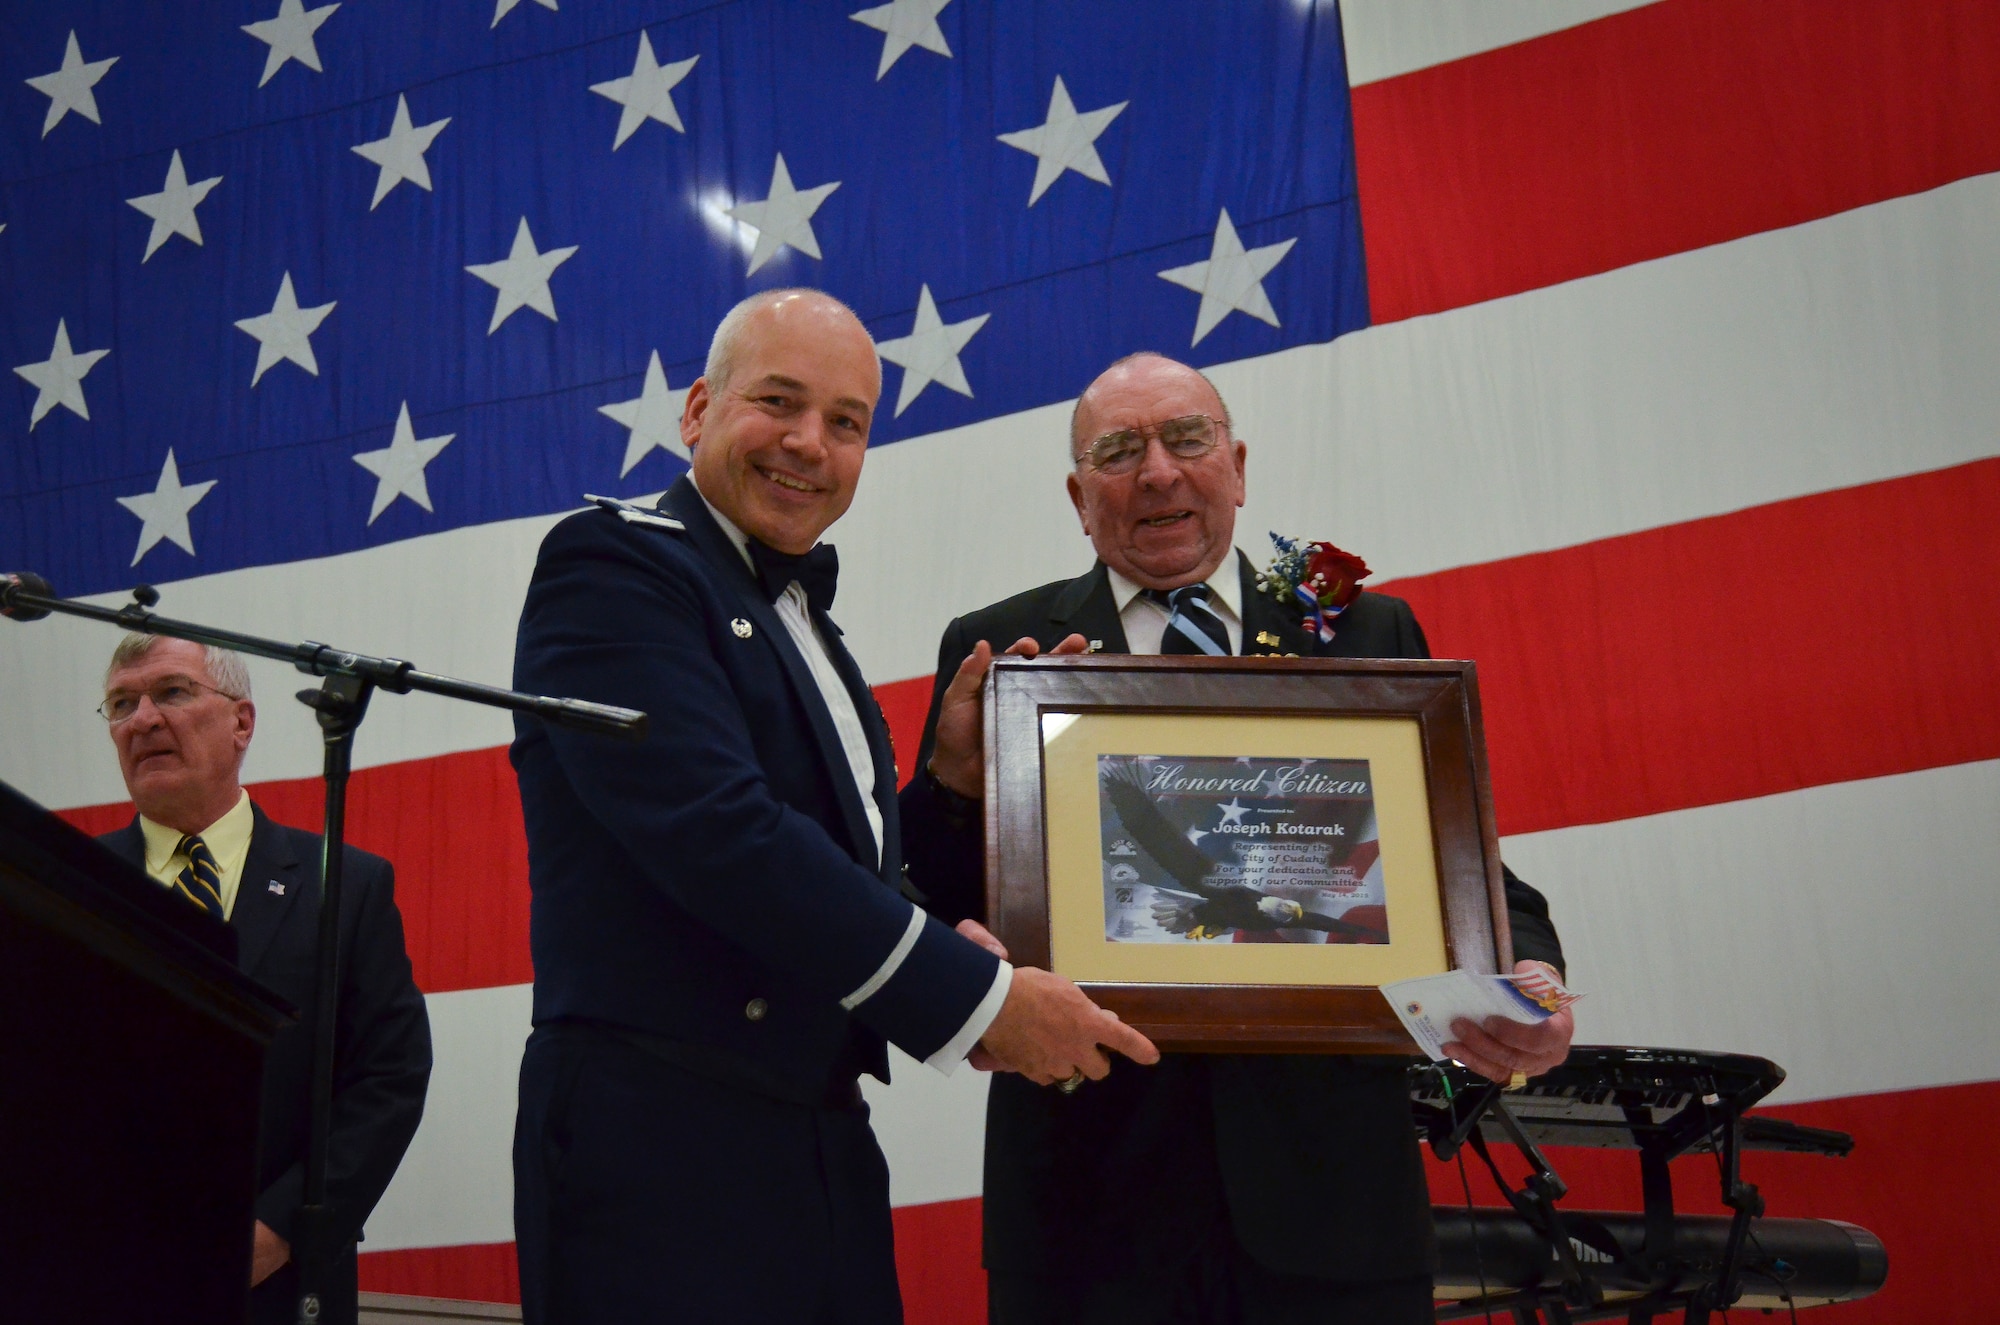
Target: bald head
{"points": [[792, 301], [1169, 521], [1143, 363]]}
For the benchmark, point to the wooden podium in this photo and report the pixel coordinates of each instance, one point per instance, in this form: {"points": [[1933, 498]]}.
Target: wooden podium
{"points": [[131, 1063]]}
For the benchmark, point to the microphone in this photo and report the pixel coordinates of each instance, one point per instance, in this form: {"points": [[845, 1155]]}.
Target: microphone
{"points": [[14, 584]]}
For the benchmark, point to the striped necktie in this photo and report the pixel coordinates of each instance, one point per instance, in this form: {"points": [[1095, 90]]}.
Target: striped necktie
{"points": [[201, 881], [1192, 626]]}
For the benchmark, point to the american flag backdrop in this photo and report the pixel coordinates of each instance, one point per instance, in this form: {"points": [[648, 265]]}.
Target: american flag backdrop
{"points": [[1650, 350]]}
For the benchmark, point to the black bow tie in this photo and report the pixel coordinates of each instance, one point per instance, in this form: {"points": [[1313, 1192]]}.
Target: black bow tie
{"points": [[816, 571]]}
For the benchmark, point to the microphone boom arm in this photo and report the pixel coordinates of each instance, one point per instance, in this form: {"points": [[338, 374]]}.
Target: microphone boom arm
{"points": [[25, 596]]}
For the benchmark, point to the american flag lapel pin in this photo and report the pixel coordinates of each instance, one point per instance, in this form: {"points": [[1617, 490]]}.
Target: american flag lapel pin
{"points": [[277, 888]]}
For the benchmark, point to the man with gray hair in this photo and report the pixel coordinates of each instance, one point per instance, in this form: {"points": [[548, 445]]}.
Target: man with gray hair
{"points": [[721, 934], [181, 719]]}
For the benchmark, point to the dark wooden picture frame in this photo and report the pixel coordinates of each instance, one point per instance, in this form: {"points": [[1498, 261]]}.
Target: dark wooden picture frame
{"points": [[1441, 697]]}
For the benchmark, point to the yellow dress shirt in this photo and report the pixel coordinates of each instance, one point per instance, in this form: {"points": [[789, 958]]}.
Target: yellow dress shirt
{"points": [[228, 840]]}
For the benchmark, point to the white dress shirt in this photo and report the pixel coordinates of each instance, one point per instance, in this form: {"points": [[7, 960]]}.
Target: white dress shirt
{"points": [[1145, 621], [791, 608]]}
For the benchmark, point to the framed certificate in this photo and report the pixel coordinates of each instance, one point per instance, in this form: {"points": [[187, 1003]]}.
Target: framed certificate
{"points": [[1234, 853]]}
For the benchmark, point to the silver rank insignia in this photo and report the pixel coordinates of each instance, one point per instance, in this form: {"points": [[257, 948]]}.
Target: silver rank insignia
{"points": [[741, 627], [631, 514]]}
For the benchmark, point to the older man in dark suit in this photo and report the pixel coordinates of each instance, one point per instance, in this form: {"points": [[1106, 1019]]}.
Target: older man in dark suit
{"points": [[181, 719], [1213, 1188], [721, 940]]}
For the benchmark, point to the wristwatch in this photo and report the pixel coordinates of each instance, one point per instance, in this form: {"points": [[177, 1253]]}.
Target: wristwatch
{"points": [[960, 811]]}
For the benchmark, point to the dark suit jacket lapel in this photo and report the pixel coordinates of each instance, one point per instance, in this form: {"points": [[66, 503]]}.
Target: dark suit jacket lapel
{"points": [[1085, 607], [1265, 619], [259, 912], [684, 503], [128, 843]]}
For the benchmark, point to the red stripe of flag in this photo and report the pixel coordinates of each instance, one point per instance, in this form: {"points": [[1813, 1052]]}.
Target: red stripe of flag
{"points": [[1661, 130], [1845, 635], [905, 704], [481, 1272]]}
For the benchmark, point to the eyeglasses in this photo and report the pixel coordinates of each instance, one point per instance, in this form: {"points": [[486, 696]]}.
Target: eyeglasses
{"points": [[1121, 452], [175, 692]]}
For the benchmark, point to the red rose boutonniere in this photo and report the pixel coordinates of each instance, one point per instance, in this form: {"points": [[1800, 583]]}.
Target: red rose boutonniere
{"points": [[1318, 578]]}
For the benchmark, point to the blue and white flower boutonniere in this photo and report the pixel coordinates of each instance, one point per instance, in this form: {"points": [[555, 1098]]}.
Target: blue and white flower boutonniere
{"points": [[1317, 578]]}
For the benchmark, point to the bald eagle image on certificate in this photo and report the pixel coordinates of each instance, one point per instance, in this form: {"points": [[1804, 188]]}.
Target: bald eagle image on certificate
{"points": [[1243, 850]]}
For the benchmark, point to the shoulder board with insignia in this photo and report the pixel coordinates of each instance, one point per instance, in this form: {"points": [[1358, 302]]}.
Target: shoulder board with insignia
{"points": [[631, 514]]}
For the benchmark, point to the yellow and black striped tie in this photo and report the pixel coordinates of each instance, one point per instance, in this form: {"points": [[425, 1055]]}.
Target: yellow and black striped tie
{"points": [[201, 881]]}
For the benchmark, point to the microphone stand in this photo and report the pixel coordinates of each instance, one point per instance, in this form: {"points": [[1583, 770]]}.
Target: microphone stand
{"points": [[349, 680]]}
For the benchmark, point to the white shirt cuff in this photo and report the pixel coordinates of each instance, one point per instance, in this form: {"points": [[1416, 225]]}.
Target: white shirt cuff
{"points": [[947, 1059]]}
